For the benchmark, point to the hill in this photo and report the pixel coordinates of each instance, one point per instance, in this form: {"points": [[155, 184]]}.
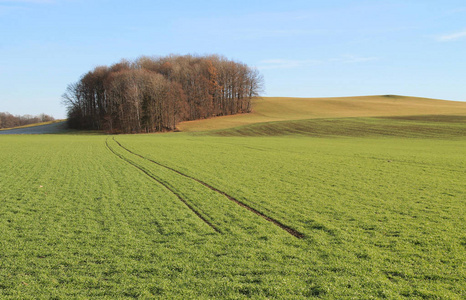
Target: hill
{"points": [[272, 109], [428, 126]]}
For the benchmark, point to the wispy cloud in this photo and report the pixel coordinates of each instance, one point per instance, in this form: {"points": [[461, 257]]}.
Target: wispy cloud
{"points": [[291, 64], [348, 59], [452, 36], [286, 63], [258, 33]]}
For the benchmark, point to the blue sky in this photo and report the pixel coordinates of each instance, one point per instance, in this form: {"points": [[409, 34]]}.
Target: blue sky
{"points": [[302, 48]]}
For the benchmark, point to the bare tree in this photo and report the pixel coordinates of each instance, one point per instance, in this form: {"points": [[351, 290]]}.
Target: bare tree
{"points": [[155, 93], [8, 120]]}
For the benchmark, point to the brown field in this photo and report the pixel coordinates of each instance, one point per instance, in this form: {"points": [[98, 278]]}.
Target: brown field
{"points": [[268, 109]]}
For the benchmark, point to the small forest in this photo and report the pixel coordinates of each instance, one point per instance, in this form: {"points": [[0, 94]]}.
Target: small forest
{"points": [[153, 94]]}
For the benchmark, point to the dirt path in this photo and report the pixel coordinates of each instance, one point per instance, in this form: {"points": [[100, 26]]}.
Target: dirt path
{"points": [[59, 127]]}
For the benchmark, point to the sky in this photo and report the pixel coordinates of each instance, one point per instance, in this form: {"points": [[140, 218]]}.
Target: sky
{"points": [[302, 48]]}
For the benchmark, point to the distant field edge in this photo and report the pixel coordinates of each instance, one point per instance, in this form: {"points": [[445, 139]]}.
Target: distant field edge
{"points": [[33, 125]]}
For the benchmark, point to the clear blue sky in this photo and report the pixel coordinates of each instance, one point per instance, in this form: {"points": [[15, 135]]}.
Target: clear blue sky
{"points": [[302, 48]]}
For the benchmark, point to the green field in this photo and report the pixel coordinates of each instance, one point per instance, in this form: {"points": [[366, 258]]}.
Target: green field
{"points": [[333, 208]]}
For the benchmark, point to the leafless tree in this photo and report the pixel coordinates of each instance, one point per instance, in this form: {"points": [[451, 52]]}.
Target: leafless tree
{"points": [[155, 93], [8, 120]]}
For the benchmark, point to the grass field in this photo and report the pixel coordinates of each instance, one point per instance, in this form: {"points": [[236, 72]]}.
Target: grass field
{"points": [[332, 208]]}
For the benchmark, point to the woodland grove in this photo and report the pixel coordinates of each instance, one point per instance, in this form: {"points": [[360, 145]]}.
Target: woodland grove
{"points": [[154, 94]]}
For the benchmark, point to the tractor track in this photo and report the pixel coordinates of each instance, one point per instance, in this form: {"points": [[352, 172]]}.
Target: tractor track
{"points": [[288, 229], [164, 185]]}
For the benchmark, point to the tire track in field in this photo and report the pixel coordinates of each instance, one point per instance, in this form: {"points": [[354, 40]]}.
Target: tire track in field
{"points": [[163, 184], [288, 229]]}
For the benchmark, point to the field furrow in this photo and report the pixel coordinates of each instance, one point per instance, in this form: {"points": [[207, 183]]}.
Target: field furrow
{"points": [[82, 217], [288, 229], [372, 202], [165, 185]]}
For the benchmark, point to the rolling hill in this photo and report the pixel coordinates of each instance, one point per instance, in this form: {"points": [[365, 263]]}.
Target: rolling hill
{"points": [[273, 109]]}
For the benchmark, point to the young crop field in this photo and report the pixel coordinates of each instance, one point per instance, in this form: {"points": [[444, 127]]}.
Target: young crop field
{"points": [[335, 209]]}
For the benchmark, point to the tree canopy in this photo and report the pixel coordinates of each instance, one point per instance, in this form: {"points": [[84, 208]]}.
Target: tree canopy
{"points": [[155, 93]]}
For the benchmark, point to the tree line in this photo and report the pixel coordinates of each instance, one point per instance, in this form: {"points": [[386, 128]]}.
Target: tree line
{"points": [[155, 93], [8, 120]]}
